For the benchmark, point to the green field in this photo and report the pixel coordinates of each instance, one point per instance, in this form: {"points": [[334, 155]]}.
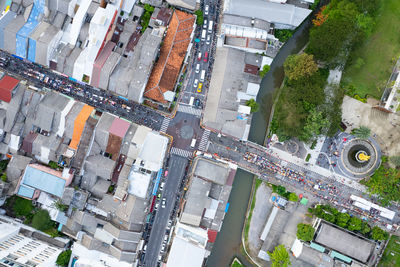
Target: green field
{"points": [[377, 56], [391, 256]]}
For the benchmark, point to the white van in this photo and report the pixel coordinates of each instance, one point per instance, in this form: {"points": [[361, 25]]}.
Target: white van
{"points": [[197, 68], [191, 101], [193, 144], [205, 24], [210, 26], [203, 35], [208, 39]]}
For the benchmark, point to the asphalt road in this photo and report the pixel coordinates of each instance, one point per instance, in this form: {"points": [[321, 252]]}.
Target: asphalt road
{"points": [[201, 47], [176, 168]]}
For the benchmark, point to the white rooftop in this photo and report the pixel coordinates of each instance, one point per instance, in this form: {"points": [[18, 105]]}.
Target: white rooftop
{"points": [[184, 253], [153, 151], [138, 183], [94, 258]]}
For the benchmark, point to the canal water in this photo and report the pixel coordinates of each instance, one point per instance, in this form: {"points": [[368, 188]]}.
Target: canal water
{"points": [[229, 239]]}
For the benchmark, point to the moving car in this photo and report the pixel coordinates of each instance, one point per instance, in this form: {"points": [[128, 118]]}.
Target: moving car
{"points": [[208, 39], [199, 56], [199, 88], [206, 10], [198, 68], [197, 102], [205, 56], [163, 203], [196, 83]]}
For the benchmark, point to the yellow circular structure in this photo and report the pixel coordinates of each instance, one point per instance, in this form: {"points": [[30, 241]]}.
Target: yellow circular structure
{"points": [[363, 157]]}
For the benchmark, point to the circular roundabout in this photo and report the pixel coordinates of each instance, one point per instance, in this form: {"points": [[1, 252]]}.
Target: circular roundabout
{"points": [[360, 157]]}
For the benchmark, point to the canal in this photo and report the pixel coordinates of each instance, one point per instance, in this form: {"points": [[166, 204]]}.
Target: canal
{"points": [[229, 239]]}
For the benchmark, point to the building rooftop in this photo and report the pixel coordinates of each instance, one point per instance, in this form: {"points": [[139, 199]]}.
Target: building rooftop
{"points": [[166, 70], [153, 151], [119, 127], [196, 201], [344, 242], [211, 171], [7, 85], [38, 177], [284, 14], [138, 183], [184, 253]]}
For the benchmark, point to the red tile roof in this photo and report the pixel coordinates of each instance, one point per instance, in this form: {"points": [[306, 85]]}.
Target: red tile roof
{"points": [[7, 85], [166, 70]]}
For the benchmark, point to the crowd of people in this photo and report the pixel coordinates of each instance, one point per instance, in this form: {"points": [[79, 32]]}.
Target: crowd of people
{"points": [[329, 191]]}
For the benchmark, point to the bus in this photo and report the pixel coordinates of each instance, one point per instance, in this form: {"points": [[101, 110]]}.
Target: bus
{"points": [[202, 75], [203, 35], [210, 26]]}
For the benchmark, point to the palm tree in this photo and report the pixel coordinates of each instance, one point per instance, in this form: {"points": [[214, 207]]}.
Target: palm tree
{"points": [[362, 132]]}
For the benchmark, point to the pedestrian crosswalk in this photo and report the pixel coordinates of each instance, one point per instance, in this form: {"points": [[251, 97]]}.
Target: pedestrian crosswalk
{"points": [[181, 152], [189, 109], [204, 140], [165, 124]]}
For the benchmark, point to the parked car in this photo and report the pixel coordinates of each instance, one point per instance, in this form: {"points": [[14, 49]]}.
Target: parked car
{"points": [[196, 83], [163, 203], [199, 88], [205, 56]]}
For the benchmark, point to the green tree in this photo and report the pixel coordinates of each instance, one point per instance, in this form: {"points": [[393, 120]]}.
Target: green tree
{"points": [[264, 71], [59, 205], [41, 220], [63, 258], [53, 165], [336, 34], [280, 257], [315, 125], [342, 219], [253, 105], [365, 229], [361, 132], [305, 232], [379, 234], [293, 197], [366, 24], [299, 66], [283, 35], [200, 17], [385, 182], [22, 206], [4, 177], [355, 224]]}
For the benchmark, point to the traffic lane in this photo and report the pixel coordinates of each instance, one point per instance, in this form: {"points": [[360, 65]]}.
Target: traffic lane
{"points": [[176, 171]]}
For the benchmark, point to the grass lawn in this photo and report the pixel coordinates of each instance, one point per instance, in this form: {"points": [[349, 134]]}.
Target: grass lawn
{"points": [[391, 256], [236, 263], [379, 53]]}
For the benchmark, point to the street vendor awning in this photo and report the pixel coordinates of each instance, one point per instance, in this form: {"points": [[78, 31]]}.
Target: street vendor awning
{"points": [[297, 248], [304, 201]]}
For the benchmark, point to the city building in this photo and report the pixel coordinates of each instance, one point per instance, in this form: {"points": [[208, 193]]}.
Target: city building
{"points": [[19, 247], [234, 80], [186, 4], [38, 178], [282, 15], [160, 87]]}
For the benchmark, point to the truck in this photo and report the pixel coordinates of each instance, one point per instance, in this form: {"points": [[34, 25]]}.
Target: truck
{"points": [[210, 26], [202, 75], [193, 144], [191, 101], [203, 35]]}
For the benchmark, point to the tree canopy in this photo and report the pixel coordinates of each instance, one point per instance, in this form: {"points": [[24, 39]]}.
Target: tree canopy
{"points": [[379, 234], [385, 182], [299, 66], [305, 232], [22, 206], [200, 17], [63, 258], [253, 105], [41, 220], [264, 70], [361, 132], [280, 257]]}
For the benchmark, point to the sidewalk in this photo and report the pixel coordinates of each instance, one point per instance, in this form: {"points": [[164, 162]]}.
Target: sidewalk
{"points": [[285, 156]]}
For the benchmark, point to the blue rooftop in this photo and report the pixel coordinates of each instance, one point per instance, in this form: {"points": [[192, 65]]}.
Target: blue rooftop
{"points": [[43, 181], [25, 191]]}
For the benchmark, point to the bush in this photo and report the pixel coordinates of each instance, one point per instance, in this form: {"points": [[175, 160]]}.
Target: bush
{"points": [[283, 35], [305, 232], [264, 70], [4, 177], [41, 220], [22, 206], [200, 17], [308, 157], [53, 165], [314, 144], [379, 234], [253, 105], [63, 258], [293, 197], [359, 98], [3, 164]]}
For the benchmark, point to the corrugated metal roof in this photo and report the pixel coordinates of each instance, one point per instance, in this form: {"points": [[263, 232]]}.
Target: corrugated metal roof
{"points": [[7, 85]]}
